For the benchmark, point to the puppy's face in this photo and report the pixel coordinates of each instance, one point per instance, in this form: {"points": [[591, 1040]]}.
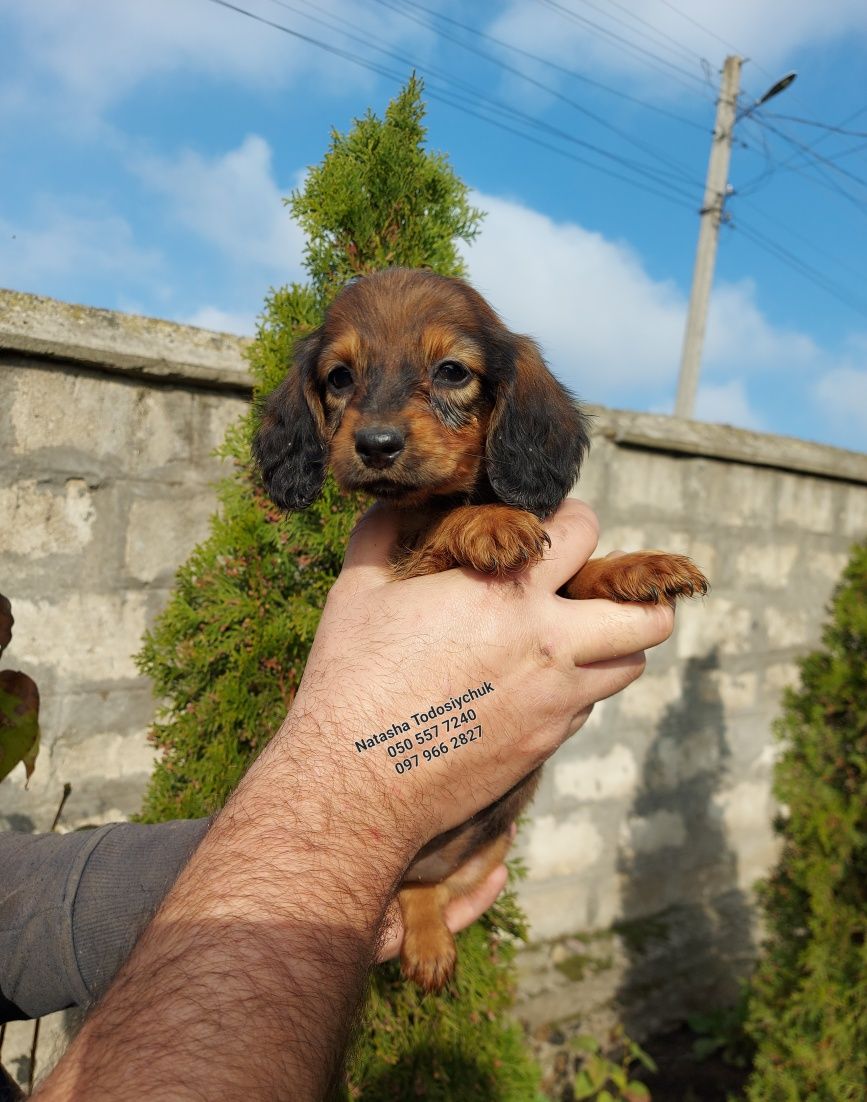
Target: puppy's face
{"points": [[413, 388], [405, 376]]}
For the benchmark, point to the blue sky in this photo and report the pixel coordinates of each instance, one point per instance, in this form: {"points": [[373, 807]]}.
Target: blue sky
{"points": [[146, 146]]}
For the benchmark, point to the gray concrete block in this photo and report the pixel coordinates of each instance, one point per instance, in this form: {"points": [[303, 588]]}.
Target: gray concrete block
{"points": [[806, 503], [41, 518], [181, 522], [656, 484]]}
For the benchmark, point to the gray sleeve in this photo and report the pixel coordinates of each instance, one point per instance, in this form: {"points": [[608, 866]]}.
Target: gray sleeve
{"points": [[73, 905]]}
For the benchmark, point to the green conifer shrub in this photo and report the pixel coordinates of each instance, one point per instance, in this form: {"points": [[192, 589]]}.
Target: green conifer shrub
{"points": [[228, 652], [808, 1003]]}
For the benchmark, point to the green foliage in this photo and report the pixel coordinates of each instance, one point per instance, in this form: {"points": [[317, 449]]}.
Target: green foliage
{"points": [[227, 654], [19, 708], [19, 722], [458, 1046], [808, 1010], [722, 1032], [609, 1078], [380, 199]]}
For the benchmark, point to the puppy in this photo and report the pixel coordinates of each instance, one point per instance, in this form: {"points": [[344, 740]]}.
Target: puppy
{"points": [[413, 391]]}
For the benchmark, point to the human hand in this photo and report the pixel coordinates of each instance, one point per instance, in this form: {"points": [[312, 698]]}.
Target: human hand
{"points": [[388, 651]]}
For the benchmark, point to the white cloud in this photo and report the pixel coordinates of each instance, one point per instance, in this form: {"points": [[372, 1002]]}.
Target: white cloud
{"points": [[842, 397], [613, 333], [223, 321], [603, 322], [70, 240], [232, 202], [727, 404], [758, 29], [88, 56], [737, 331]]}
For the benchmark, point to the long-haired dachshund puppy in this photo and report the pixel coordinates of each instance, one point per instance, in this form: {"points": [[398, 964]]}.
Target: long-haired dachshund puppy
{"points": [[413, 391]]}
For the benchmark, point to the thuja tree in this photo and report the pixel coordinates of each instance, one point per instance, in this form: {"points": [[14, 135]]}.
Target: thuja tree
{"points": [[228, 652], [808, 1007]]}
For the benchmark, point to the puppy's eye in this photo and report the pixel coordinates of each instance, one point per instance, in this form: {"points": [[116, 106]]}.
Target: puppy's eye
{"points": [[451, 373], [340, 379]]}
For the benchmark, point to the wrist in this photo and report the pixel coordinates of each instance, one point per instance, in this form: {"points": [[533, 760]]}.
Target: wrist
{"points": [[349, 823]]}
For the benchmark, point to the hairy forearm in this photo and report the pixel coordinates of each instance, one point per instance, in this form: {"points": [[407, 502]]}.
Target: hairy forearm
{"points": [[246, 981]]}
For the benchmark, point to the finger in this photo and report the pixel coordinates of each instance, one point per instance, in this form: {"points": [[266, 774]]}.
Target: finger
{"points": [[464, 910], [598, 630], [574, 533], [371, 543], [603, 679]]}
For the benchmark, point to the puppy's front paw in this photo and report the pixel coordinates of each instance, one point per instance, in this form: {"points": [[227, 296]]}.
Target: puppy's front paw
{"points": [[649, 577], [494, 539], [499, 539]]}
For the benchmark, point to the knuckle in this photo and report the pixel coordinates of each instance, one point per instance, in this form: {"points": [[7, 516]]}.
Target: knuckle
{"points": [[588, 520], [343, 590], [580, 513]]}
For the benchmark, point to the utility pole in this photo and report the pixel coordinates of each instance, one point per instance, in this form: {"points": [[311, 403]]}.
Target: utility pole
{"points": [[715, 189]]}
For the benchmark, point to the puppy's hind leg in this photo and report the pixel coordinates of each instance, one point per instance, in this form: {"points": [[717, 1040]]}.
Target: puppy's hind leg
{"points": [[428, 954]]}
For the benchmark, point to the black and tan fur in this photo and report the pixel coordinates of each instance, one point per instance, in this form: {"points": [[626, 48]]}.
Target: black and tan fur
{"points": [[415, 392]]}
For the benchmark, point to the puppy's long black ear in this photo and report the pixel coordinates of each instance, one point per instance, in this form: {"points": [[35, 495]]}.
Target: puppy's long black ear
{"points": [[289, 446], [537, 436]]}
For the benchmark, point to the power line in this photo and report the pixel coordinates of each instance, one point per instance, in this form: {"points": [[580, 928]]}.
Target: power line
{"points": [[681, 171], [675, 47], [498, 106], [718, 38], [806, 150], [820, 249], [505, 110], [826, 135], [449, 79], [630, 47], [742, 193], [787, 257], [840, 154], [486, 104], [821, 125], [821, 180], [671, 195], [802, 156], [702, 27], [555, 67]]}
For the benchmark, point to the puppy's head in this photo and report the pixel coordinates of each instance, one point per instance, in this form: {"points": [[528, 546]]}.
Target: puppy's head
{"points": [[413, 388]]}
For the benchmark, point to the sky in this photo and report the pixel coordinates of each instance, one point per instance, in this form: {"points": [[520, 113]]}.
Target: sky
{"points": [[147, 146]]}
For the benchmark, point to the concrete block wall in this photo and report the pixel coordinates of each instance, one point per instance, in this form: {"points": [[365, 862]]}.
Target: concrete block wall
{"points": [[107, 428], [653, 824], [650, 827]]}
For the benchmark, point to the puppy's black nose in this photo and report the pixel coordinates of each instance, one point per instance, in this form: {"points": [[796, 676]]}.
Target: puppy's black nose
{"points": [[379, 445]]}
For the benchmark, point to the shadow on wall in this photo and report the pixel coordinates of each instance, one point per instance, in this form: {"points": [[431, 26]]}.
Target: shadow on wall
{"points": [[688, 928]]}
